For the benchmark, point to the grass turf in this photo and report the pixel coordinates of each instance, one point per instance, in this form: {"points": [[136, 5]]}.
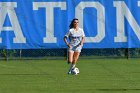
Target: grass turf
{"points": [[50, 76]]}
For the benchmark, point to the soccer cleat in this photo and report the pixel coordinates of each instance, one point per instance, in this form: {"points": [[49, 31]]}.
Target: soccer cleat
{"points": [[69, 72]]}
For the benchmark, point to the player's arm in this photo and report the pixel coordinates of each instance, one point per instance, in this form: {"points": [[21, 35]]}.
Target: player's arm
{"points": [[66, 42], [82, 41], [83, 38], [65, 39]]}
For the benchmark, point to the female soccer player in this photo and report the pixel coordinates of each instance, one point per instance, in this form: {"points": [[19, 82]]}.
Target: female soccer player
{"points": [[76, 39]]}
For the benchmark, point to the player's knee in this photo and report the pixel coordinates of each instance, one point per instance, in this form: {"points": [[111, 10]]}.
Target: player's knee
{"points": [[74, 60]]}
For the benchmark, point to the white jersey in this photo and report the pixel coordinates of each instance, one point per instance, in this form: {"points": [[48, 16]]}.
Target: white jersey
{"points": [[75, 37]]}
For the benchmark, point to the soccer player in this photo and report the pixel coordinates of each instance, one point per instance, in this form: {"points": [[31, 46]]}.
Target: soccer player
{"points": [[76, 39]]}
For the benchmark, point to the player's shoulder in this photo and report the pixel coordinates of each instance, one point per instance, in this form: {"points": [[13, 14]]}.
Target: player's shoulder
{"points": [[80, 28], [71, 30]]}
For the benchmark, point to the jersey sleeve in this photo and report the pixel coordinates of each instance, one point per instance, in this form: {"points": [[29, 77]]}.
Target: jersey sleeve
{"points": [[67, 34], [83, 34]]}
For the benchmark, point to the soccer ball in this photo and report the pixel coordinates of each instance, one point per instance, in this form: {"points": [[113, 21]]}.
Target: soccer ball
{"points": [[75, 71]]}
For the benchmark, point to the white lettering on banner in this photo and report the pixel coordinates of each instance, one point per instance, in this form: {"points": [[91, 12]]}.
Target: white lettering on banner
{"points": [[122, 13], [49, 6], [100, 19], [7, 8]]}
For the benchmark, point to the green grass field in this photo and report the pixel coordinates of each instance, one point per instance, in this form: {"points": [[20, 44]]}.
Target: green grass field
{"points": [[50, 76]]}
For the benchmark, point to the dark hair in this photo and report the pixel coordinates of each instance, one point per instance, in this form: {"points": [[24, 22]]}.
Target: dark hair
{"points": [[71, 24]]}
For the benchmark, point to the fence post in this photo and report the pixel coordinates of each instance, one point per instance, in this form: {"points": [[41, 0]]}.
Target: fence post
{"points": [[127, 53], [20, 53], [6, 55]]}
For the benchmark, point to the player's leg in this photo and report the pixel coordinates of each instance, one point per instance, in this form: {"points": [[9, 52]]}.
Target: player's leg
{"points": [[76, 54], [70, 61], [75, 57], [70, 56]]}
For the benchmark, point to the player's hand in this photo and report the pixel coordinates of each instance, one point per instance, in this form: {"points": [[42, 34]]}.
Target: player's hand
{"points": [[80, 44]]}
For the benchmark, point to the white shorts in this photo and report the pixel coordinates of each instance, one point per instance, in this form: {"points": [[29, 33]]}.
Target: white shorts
{"points": [[75, 49]]}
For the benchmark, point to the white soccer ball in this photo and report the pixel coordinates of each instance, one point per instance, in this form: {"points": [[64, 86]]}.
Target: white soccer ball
{"points": [[75, 71]]}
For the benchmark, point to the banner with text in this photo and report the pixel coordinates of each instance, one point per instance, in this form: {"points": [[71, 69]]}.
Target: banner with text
{"points": [[35, 24]]}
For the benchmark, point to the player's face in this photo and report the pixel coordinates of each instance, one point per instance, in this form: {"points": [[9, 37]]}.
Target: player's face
{"points": [[75, 23]]}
